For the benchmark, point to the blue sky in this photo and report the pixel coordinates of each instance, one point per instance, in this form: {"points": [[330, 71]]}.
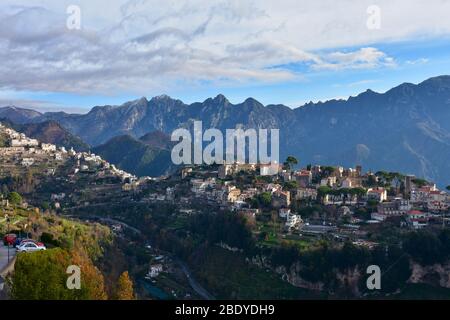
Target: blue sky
{"points": [[288, 52]]}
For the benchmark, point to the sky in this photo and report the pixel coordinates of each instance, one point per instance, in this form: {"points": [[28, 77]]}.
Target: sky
{"points": [[74, 55]]}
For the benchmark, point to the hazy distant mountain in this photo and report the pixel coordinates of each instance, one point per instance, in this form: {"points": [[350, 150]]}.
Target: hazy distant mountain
{"points": [[405, 129], [135, 156], [19, 115], [50, 132]]}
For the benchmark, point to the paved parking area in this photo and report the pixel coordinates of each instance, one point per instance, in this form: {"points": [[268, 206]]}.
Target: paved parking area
{"points": [[4, 255]]}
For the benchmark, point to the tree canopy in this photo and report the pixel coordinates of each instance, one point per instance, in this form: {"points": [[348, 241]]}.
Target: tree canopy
{"points": [[42, 276], [290, 162], [14, 198], [124, 290]]}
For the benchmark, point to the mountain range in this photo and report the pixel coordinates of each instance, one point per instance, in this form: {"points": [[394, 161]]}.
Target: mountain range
{"points": [[405, 129]]}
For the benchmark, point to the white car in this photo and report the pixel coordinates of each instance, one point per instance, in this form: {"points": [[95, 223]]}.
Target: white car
{"points": [[31, 247]]}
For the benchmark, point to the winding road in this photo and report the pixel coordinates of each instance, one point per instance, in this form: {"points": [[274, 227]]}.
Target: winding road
{"points": [[197, 287]]}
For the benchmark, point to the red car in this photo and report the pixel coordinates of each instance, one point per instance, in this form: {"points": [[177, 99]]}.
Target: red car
{"points": [[9, 239]]}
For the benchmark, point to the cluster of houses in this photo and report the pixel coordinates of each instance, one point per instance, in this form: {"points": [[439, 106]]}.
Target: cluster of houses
{"points": [[21, 151], [424, 203], [87, 161], [26, 151], [415, 202]]}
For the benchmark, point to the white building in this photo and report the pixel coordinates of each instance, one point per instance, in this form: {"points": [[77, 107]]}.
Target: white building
{"points": [[269, 169], [26, 162], [437, 201], [24, 142], [397, 207], [346, 183], [330, 181], [417, 219], [57, 197], [48, 147], [422, 194], [284, 213], [306, 193], [293, 221], [155, 270], [378, 194]]}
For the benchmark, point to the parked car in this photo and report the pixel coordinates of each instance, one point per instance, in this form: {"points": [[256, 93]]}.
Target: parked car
{"points": [[31, 247], [9, 239], [20, 241]]}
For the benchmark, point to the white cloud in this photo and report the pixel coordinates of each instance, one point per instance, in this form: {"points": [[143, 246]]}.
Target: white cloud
{"points": [[364, 58], [141, 46], [417, 61]]}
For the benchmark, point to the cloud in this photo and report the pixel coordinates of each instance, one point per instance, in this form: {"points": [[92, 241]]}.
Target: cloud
{"points": [[417, 61], [364, 58], [143, 46]]}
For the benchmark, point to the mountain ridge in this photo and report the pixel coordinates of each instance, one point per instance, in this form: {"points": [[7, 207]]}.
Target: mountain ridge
{"points": [[406, 128]]}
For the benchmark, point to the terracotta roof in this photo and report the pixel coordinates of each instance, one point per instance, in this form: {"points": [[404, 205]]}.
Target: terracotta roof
{"points": [[377, 190]]}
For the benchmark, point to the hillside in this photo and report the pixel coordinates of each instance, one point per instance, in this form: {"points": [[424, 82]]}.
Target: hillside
{"points": [[50, 132], [404, 129], [157, 139], [135, 156]]}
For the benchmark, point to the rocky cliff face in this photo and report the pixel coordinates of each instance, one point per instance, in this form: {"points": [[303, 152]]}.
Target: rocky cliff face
{"points": [[346, 281], [437, 275], [349, 281]]}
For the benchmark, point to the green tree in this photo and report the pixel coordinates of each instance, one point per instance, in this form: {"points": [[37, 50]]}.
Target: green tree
{"points": [[290, 162], [372, 204], [14, 198], [42, 276], [323, 191], [265, 199], [448, 188], [420, 182], [290, 185], [45, 206], [424, 247], [5, 190], [359, 192], [371, 181], [124, 289]]}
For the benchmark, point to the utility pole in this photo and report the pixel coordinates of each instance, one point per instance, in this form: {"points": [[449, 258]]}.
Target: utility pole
{"points": [[7, 223]]}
